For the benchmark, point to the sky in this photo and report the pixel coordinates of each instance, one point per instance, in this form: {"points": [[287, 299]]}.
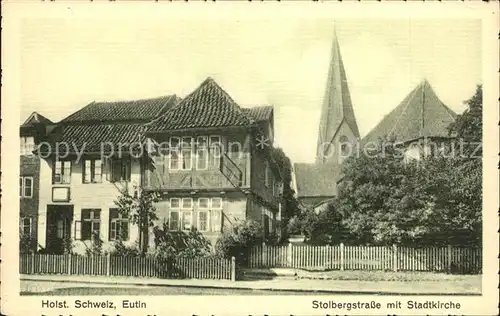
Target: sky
{"points": [[68, 63]]}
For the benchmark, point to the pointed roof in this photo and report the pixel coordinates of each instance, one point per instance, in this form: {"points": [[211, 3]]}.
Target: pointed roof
{"points": [[420, 114], [36, 118], [207, 106], [337, 105]]}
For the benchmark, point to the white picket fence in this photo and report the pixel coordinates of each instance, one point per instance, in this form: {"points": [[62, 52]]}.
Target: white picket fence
{"points": [[385, 258], [139, 266]]}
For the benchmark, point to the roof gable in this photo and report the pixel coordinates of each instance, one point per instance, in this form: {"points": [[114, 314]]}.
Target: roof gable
{"points": [[316, 180], [36, 118], [207, 106], [420, 114], [135, 110]]}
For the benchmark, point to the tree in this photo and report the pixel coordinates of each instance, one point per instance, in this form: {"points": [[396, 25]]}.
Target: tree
{"points": [[324, 227], [371, 185], [468, 126], [140, 209], [290, 203], [437, 200]]}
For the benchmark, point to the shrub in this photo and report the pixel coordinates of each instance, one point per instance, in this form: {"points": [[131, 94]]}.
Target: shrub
{"points": [[96, 247], [68, 245], [181, 243], [170, 245], [26, 244], [236, 241], [295, 226], [121, 249]]}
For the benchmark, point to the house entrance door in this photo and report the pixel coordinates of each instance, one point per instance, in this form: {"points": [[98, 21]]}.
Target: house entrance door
{"points": [[59, 219]]}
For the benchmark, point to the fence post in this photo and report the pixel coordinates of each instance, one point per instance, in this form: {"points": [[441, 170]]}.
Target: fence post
{"points": [[40, 262], [69, 264], [233, 269], [108, 264], [449, 259], [289, 256], [32, 263], [92, 264], [264, 255], [341, 256], [395, 257]]}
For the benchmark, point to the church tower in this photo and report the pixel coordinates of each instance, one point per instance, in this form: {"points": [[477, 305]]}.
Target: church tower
{"points": [[338, 130]]}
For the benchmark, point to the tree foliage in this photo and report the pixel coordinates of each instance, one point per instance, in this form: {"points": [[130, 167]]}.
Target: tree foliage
{"points": [[172, 244], [325, 227], [436, 200], [27, 244], [290, 204], [236, 240], [96, 246], [140, 209]]}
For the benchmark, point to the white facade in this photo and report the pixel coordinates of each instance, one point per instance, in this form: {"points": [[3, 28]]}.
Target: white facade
{"points": [[100, 196]]}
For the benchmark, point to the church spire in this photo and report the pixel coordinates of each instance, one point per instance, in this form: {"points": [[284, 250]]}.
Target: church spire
{"points": [[337, 116]]}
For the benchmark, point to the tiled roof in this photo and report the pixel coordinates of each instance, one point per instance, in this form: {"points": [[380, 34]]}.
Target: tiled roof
{"points": [[314, 180], [36, 118], [420, 114], [259, 113], [89, 137], [137, 110], [112, 125], [207, 106]]}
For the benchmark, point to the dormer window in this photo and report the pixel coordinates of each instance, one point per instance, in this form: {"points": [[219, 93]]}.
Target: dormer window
{"points": [[27, 145]]}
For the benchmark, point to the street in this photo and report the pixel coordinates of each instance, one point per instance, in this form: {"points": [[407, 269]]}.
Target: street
{"points": [[64, 285]]}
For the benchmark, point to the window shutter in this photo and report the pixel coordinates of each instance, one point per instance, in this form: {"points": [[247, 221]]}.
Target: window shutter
{"points": [[107, 169], [116, 170], [78, 230]]}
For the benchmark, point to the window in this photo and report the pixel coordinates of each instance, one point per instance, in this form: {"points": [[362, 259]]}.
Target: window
{"points": [[27, 145], [266, 174], [174, 214], [216, 214], [92, 171], [205, 151], [186, 151], [118, 225], [26, 226], [345, 146], [202, 153], [62, 172], [215, 150], [91, 223], [181, 214], [26, 187], [174, 153], [187, 213], [203, 214], [120, 169]]}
